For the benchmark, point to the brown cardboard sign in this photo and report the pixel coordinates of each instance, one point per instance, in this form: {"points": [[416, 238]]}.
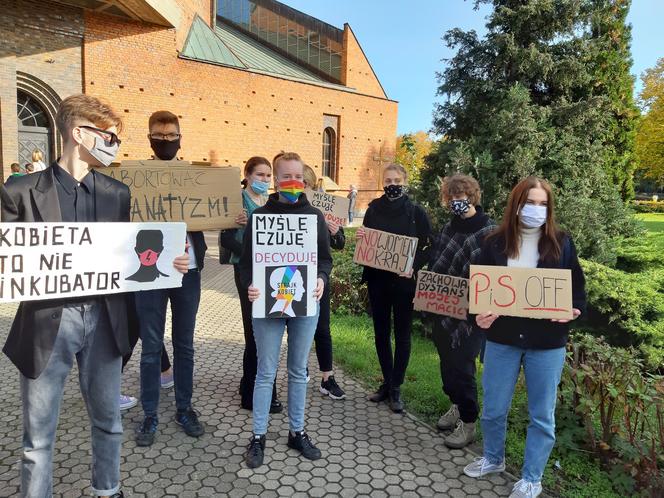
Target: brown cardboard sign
{"points": [[334, 207], [525, 292], [385, 251], [441, 294], [204, 197]]}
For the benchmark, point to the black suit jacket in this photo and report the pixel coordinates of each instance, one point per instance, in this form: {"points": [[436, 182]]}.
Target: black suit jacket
{"points": [[34, 198], [198, 241]]}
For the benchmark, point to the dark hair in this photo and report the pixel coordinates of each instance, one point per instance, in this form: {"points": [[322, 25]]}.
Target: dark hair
{"points": [[510, 230], [163, 117], [251, 164], [15, 167], [459, 184]]}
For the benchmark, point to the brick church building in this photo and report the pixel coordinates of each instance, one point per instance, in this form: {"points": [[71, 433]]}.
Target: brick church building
{"points": [[245, 77]]}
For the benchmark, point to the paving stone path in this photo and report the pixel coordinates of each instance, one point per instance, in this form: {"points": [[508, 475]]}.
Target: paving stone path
{"points": [[367, 450]]}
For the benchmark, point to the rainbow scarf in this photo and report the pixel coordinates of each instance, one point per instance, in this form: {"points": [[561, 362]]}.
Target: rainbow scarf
{"points": [[291, 190]]}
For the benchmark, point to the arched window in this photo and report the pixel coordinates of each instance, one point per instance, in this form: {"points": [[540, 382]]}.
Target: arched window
{"points": [[34, 128], [329, 153]]}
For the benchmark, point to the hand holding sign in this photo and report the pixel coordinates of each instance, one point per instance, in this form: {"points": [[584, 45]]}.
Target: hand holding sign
{"points": [[318, 291]]}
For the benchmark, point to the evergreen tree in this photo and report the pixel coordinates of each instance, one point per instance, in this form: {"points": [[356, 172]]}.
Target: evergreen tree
{"points": [[529, 99]]}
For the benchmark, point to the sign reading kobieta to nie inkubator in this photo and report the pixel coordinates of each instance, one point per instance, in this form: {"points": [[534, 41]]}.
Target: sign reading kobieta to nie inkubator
{"points": [[334, 208], [525, 292], [204, 197], [385, 251], [441, 294], [59, 260], [285, 264]]}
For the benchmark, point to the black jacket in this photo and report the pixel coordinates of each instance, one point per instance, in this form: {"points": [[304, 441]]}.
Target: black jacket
{"points": [[532, 333], [34, 198], [402, 217], [198, 241], [273, 206]]}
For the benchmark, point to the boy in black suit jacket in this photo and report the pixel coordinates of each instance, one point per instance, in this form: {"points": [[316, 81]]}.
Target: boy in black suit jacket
{"points": [[47, 336]]}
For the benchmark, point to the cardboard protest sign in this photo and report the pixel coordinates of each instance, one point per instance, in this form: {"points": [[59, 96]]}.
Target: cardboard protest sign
{"points": [[525, 292], [441, 294], [333, 207], [204, 197], [59, 260], [385, 251], [285, 264]]}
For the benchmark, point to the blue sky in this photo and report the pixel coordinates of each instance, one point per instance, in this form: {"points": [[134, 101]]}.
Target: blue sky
{"points": [[402, 39]]}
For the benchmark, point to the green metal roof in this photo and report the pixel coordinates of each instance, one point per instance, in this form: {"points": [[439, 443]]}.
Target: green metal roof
{"points": [[228, 46], [202, 44]]}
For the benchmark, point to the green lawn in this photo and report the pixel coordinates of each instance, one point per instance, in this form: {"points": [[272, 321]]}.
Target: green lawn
{"points": [[354, 350], [653, 222]]}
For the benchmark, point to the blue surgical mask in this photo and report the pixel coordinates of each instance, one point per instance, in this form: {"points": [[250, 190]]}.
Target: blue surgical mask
{"points": [[532, 216], [260, 187]]}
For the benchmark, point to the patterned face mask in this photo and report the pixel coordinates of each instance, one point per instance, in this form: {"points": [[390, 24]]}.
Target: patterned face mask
{"points": [[459, 206], [291, 190], [393, 192]]}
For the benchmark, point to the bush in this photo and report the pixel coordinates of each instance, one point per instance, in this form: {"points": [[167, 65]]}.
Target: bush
{"points": [[628, 309], [648, 206], [620, 410], [348, 296]]}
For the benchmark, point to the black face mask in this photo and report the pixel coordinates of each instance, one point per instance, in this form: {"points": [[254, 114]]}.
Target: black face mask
{"points": [[394, 192], [165, 149]]}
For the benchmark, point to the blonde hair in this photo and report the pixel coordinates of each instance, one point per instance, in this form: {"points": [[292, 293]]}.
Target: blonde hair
{"points": [[398, 168], [285, 156], [37, 155], [459, 184], [309, 177], [78, 108]]}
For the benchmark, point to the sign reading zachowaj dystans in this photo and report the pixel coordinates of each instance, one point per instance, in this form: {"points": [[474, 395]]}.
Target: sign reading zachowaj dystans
{"points": [[285, 264], [59, 260]]}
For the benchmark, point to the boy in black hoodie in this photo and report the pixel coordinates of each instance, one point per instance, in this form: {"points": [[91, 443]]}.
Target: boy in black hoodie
{"points": [[268, 332]]}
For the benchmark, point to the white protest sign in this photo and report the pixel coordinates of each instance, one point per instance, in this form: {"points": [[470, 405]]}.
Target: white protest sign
{"points": [[285, 264], [60, 260]]}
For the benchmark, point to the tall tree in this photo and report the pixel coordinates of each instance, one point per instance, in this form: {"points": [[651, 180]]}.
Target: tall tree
{"points": [[531, 98], [411, 150], [650, 136]]}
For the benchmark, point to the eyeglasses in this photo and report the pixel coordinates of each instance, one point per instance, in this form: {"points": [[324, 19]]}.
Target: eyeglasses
{"points": [[109, 137], [160, 136]]}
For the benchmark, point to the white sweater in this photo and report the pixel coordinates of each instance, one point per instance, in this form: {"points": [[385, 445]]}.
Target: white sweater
{"points": [[528, 250]]}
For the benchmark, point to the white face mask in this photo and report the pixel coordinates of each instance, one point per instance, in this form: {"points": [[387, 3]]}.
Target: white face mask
{"points": [[532, 216]]}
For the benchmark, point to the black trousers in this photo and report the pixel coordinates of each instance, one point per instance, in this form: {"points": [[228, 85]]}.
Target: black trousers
{"points": [[250, 356], [323, 337], [389, 300], [457, 370], [132, 319]]}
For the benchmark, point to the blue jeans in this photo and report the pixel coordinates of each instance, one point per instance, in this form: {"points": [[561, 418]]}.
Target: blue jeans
{"points": [[268, 333], [84, 335], [542, 369], [151, 309]]}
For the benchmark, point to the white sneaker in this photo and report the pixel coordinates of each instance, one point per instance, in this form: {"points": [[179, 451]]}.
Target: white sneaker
{"points": [[449, 419], [127, 402], [524, 489], [481, 467]]}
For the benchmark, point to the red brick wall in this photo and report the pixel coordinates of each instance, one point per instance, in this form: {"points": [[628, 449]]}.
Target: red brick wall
{"points": [[356, 71], [228, 115]]}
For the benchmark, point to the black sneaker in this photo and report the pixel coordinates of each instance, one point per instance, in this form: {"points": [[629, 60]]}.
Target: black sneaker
{"points": [[188, 419], [301, 442], [276, 406], [380, 395], [146, 432], [396, 405], [255, 452], [330, 388]]}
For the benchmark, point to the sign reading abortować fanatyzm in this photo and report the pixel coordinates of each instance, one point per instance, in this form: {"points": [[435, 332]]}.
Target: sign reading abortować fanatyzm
{"points": [[204, 197]]}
